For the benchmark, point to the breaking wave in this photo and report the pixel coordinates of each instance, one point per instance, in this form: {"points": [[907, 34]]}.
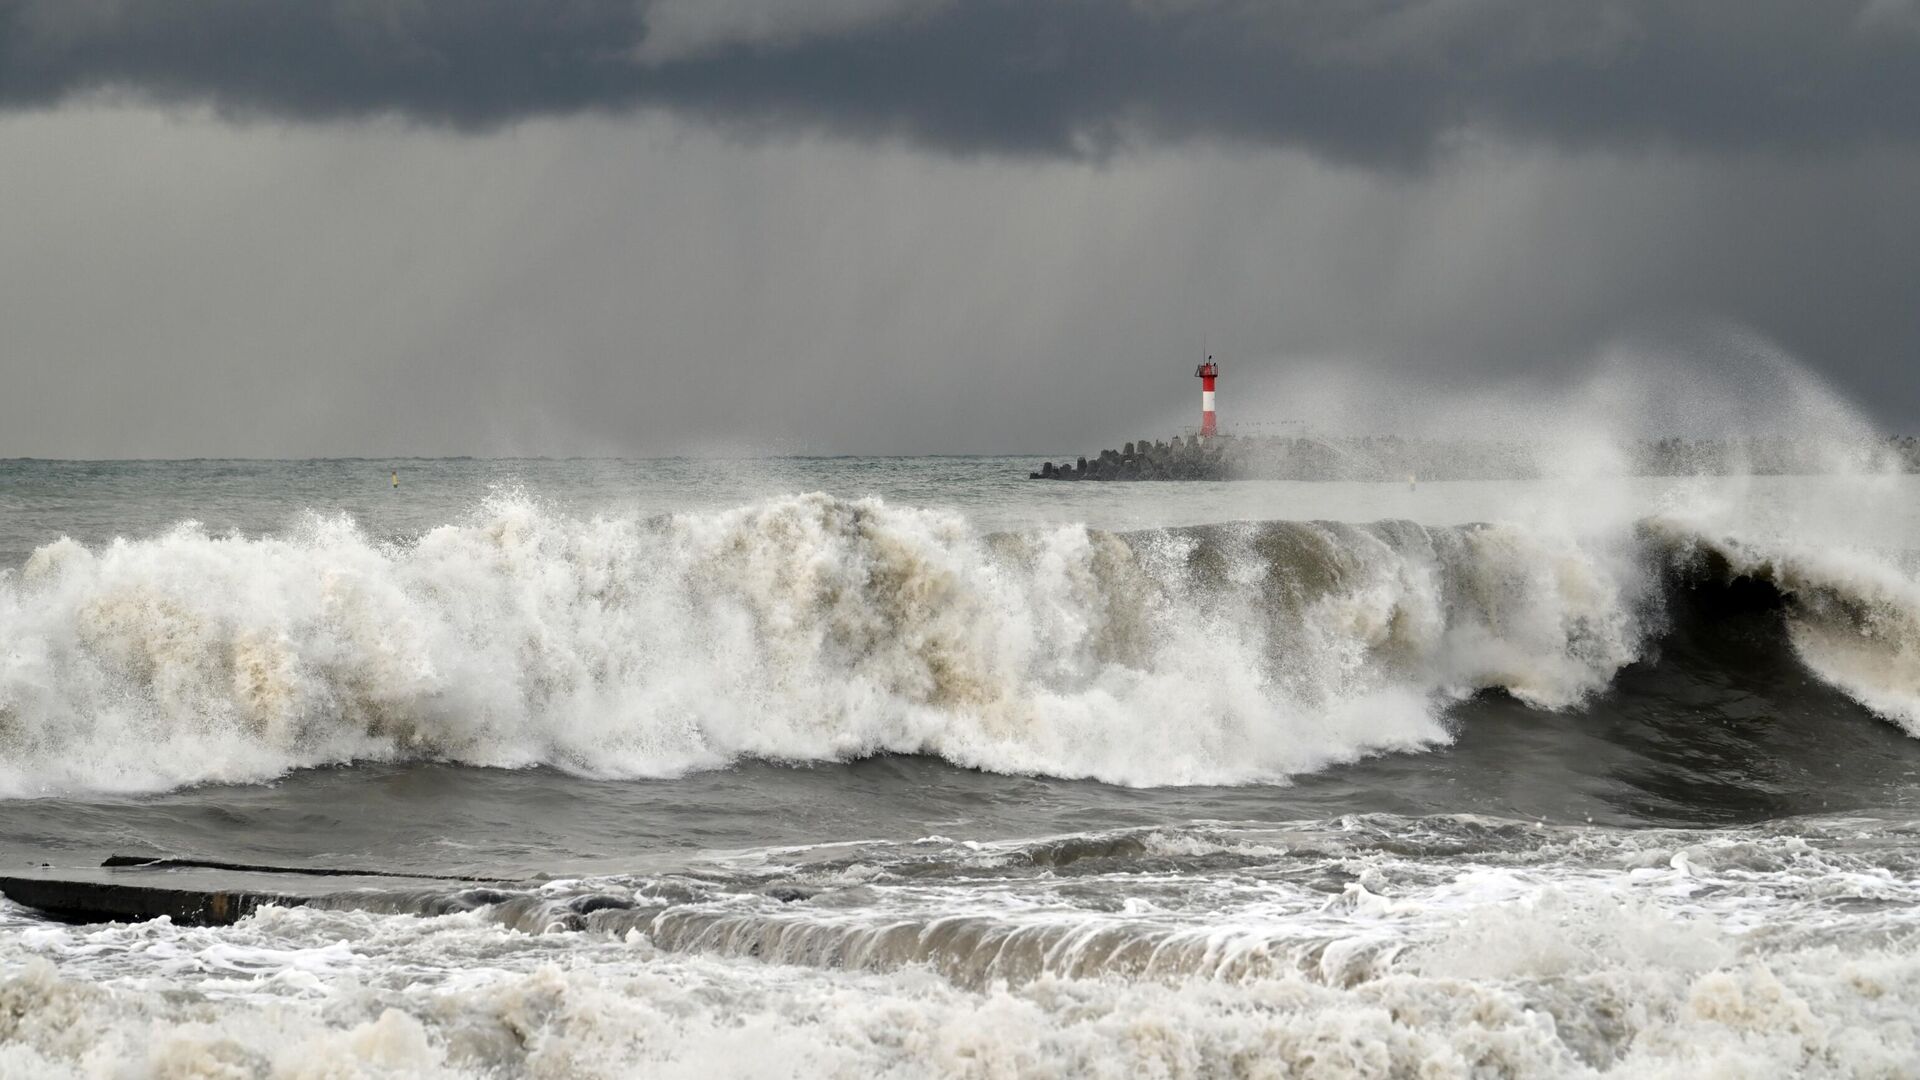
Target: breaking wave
{"points": [[811, 628]]}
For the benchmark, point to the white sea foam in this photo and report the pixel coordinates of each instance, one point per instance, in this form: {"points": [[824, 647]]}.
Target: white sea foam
{"points": [[802, 628], [1558, 955]]}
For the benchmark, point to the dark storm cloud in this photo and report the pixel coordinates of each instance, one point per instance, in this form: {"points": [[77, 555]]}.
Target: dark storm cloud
{"points": [[1378, 81]]}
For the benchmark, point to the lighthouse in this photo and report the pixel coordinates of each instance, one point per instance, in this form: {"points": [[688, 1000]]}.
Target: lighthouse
{"points": [[1206, 373]]}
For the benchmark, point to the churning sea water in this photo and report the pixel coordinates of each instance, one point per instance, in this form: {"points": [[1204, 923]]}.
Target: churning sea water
{"points": [[851, 767]]}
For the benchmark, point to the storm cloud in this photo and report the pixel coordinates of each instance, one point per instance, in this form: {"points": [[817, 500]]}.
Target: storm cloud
{"points": [[289, 227], [1385, 82]]}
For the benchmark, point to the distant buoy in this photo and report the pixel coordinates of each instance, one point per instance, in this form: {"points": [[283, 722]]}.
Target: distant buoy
{"points": [[396, 478]]}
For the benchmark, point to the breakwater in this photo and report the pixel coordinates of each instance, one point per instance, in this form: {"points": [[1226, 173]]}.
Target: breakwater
{"points": [[1393, 458], [1185, 458]]}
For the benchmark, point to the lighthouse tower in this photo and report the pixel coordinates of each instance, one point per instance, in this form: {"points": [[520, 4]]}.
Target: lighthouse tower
{"points": [[1206, 373]]}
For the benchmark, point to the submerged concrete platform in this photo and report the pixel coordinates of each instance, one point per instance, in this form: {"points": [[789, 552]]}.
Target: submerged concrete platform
{"points": [[81, 896], [196, 893]]}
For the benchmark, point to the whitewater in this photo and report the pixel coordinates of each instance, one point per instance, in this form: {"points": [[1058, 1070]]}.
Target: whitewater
{"points": [[817, 628], [852, 767], [805, 628]]}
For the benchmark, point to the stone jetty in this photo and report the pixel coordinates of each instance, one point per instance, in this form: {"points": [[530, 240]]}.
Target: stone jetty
{"points": [[1185, 458], [1396, 459]]}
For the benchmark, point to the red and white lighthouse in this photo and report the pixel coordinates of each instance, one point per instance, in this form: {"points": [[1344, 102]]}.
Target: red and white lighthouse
{"points": [[1206, 373]]}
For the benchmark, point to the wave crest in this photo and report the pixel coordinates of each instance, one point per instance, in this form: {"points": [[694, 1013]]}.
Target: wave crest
{"points": [[804, 628]]}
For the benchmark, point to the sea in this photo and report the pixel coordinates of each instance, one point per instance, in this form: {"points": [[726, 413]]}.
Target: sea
{"points": [[914, 767]]}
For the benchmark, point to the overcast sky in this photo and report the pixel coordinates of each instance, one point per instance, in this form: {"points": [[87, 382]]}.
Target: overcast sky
{"points": [[371, 227]]}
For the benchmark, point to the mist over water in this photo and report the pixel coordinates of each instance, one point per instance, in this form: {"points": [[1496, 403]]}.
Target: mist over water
{"points": [[912, 765]]}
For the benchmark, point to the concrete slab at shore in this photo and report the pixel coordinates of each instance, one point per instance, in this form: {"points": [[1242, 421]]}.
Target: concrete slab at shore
{"points": [[126, 890]]}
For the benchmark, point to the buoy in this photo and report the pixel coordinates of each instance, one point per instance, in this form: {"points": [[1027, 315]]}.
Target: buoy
{"points": [[396, 478]]}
